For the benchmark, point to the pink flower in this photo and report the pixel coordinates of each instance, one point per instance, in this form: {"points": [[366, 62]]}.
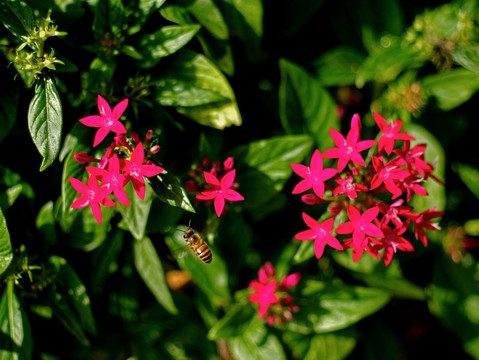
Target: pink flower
{"points": [[220, 191], [135, 170], [392, 242], [320, 233], [313, 176], [107, 120], [348, 149], [390, 133], [93, 195], [264, 296], [422, 221], [388, 174], [346, 186], [360, 225], [112, 179]]}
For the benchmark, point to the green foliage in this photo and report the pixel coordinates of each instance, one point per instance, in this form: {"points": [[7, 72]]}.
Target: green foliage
{"points": [[260, 82]]}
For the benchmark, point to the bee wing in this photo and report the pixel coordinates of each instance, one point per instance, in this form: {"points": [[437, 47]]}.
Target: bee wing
{"points": [[180, 252]]}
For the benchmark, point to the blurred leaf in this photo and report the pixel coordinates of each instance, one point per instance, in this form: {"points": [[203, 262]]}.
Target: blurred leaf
{"points": [[211, 279], [294, 16], [467, 56], [45, 120], [149, 267], [145, 9], [16, 341], [303, 103], [168, 189], [8, 107], [339, 66], [6, 252], [100, 74], [45, 223], [386, 64], [245, 19], [451, 88], [453, 298], [109, 18], [164, 42], [470, 176], [434, 154], [233, 323], [17, 16], [136, 215], [188, 67], [69, 285], [105, 260], [328, 307]]}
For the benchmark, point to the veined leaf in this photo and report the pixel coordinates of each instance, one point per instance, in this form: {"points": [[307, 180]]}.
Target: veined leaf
{"points": [[16, 340], [6, 253], [304, 103], [17, 16], [149, 267], [188, 67], [136, 215], [169, 190], [45, 120]]}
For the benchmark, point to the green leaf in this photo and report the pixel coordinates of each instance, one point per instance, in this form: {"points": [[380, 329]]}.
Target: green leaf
{"points": [[303, 103], [233, 323], [338, 67], [105, 260], [17, 16], [45, 223], [16, 340], [109, 18], [136, 215], [149, 267], [328, 307], [467, 56], [435, 154], [211, 279], [45, 120], [100, 74], [386, 64], [188, 67], [469, 175], [6, 252], [451, 88], [168, 189], [164, 42], [70, 286], [145, 9], [245, 19]]}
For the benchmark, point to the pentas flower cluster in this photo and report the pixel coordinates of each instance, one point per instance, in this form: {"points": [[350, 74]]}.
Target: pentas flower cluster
{"points": [[374, 196], [218, 185], [123, 161], [275, 304]]}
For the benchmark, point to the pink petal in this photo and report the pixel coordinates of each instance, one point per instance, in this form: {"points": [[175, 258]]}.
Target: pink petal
{"points": [[345, 228], [332, 153], [337, 137], [232, 195], [319, 246], [138, 155], [118, 128], [92, 121], [206, 195], [139, 187], [342, 162], [311, 222], [365, 144], [121, 196], [103, 107], [370, 214], [219, 205], [328, 173], [318, 189], [353, 213], [95, 209], [100, 135], [211, 180], [119, 109], [228, 179], [78, 185], [302, 186], [316, 161], [306, 235], [151, 170], [382, 124], [300, 169], [80, 203], [353, 135], [373, 230], [333, 242]]}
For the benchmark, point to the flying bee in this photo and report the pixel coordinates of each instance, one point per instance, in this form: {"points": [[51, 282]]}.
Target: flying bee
{"points": [[198, 245]]}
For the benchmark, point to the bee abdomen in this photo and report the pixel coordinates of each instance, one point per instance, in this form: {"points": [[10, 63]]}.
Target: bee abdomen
{"points": [[204, 253]]}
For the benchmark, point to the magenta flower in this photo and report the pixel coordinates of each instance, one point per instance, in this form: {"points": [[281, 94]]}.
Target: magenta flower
{"points": [[264, 296], [390, 133], [389, 175], [346, 186], [107, 120], [93, 195], [348, 149], [112, 179], [393, 211], [220, 190], [360, 225], [320, 233], [422, 221], [135, 170], [392, 242], [313, 176]]}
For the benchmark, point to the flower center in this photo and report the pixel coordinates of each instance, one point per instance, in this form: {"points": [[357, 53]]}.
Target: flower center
{"points": [[135, 170], [109, 121]]}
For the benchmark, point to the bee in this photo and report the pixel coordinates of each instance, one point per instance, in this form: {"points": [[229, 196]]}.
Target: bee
{"points": [[198, 245]]}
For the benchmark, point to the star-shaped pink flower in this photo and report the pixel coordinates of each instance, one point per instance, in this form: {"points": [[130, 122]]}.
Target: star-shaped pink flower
{"points": [[112, 178], [107, 120], [220, 190], [264, 296], [422, 221], [320, 233], [93, 195], [313, 176], [136, 171], [390, 133], [348, 149], [392, 242]]}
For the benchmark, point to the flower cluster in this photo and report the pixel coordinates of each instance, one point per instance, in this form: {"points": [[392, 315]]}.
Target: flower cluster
{"points": [[219, 184], [123, 161], [374, 195], [275, 303]]}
